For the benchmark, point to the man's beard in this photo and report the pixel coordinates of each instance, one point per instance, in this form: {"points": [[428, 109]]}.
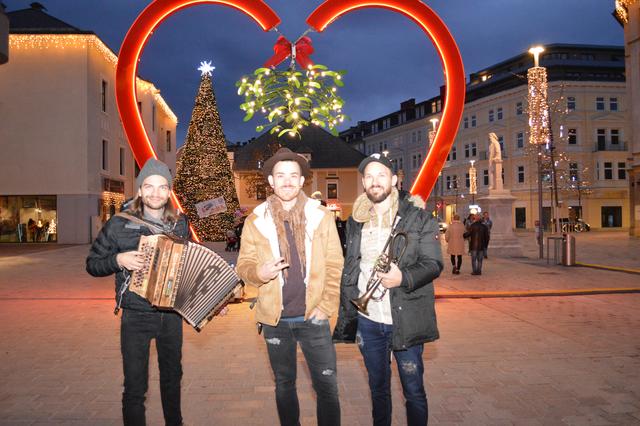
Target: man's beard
{"points": [[155, 204], [378, 198]]}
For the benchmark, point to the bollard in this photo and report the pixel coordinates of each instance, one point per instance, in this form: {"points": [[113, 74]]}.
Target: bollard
{"points": [[568, 250]]}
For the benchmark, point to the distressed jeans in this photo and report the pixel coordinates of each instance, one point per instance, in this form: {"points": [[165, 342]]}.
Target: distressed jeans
{"points": [[136, 331], [476, 260], [315, 341], [374, 340]]}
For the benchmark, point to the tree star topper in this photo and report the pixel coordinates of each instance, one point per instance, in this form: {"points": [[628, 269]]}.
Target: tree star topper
{"points": [[206, 68]]}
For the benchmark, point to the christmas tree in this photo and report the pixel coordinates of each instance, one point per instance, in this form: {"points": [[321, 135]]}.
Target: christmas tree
{"points": [[203, 172]]}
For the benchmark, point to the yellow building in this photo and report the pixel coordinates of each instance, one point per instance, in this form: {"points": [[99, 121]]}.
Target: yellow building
{"points": [[627, 12], [334, 168], [589, 104], [66, 165]]}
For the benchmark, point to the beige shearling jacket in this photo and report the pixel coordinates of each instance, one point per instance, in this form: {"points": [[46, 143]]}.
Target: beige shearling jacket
{"points": [[324, 261]]}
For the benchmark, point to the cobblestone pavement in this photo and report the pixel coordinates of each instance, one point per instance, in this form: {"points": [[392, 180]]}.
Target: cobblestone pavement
{"points": [[501, 361]]}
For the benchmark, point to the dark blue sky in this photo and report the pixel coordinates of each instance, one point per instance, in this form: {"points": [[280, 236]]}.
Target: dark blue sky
{"points": [[388, 59]]}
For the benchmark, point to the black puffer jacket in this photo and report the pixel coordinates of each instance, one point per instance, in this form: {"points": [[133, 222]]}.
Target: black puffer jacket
{"points": [[412, 304], [119, 235]]}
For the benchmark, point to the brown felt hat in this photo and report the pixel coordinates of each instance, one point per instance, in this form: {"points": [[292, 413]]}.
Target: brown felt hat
{"points": [[285, 154]]}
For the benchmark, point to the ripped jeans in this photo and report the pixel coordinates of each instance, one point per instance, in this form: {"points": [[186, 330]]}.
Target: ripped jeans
{"points": [[374, 341], [314, 337]]}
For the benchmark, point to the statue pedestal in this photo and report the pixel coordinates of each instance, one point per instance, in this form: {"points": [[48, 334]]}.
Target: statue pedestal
{"points": [[499, 204]]}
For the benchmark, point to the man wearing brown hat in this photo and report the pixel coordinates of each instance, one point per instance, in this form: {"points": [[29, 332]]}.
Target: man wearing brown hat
{"points": [[291, 252], [401, 316], [115, 251]]}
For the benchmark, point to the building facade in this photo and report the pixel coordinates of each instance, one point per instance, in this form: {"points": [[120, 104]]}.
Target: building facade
{"points": [[66, 164], [334, 168], [627, 12], [588, 108]]}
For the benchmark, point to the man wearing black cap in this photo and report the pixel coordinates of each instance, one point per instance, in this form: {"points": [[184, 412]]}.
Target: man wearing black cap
{"points": [[115, 251], [401, 316], [291, 251]]}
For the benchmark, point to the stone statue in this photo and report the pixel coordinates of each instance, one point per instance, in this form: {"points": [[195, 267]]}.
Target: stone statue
{"points": [[495, 163]]}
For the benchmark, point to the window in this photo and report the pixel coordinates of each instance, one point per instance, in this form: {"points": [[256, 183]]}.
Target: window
{"points": [[261, 193], [608, 170], [622, 171], [466, 150], [473, 121], [520, 139], [601, 138], [597, 171], [467, 180], [519, 108], [571, 103], [499, 113], [332, 190], [573, 171], [419, 136], [485, 177], [615, 136], [413, 137], [136, 168], [466, 122], [521, 217], [474, 149], [105, 155], [520, 174], [613, 104], [599, 104], [501, 142], [611, 217], [490, 116], [374, 128], [168, 141], [448, 182], [454, 154], [103, 96], [416, 161], [454, 181], [122, 165], [572, 136]]}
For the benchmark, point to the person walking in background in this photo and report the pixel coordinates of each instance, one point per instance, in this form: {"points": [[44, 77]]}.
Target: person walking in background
{"points": [[486, 221], [478, 235], [455, 243]]}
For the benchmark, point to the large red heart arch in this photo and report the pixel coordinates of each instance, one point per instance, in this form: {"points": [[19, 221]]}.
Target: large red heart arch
{"points": [[446, 46], [153, 15]]}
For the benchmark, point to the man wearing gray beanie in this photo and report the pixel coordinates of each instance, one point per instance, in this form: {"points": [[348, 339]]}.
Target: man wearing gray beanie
{"points": [[115, 251]]}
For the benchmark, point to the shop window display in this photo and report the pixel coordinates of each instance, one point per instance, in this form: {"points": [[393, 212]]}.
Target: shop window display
{"points": [[31, 219]]}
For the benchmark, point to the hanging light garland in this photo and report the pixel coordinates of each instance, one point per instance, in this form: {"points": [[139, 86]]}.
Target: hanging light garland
{"points": [[291, 99]]}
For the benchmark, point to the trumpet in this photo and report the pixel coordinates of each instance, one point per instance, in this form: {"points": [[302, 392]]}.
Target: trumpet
{"points": [[392, 252]]}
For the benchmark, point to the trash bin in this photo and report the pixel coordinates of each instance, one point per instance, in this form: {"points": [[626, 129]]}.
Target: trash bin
{"points": [[568, 250]]}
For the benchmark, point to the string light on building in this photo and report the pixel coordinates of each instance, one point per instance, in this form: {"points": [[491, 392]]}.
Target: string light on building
{"points": [[433, 131], [621, 11], [68, 42], [473, 181]]}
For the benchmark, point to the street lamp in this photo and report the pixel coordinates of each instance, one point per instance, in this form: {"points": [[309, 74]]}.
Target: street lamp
{"points": [[538, 125]]}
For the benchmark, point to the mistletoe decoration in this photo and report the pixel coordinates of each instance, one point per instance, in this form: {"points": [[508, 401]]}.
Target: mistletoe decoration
{"points": [[292, 99]]}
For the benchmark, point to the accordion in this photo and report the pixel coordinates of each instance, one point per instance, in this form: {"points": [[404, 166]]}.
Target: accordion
{"points": [[185, 277]]}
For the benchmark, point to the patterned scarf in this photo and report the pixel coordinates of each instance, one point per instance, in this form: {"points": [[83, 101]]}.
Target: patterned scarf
{"points": [[297, 223]]}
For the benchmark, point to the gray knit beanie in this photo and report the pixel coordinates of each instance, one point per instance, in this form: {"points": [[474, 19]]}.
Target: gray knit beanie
{"points": [[154, 167]]}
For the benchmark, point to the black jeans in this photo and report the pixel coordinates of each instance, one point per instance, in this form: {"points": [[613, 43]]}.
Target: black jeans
{"points": [[136, 331], [453, 261], [315, 341], [374, 340]]}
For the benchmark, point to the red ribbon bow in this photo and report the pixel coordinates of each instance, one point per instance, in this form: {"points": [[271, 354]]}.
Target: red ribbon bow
{"points": [[284, 48]]}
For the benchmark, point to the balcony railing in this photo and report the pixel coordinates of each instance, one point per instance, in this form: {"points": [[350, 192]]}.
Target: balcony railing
{"points": [[608, 146]]}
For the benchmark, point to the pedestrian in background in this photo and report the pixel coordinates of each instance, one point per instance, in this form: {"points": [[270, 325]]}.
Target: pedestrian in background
{"points": [[478, 235], [486, 221], [455, 243]]}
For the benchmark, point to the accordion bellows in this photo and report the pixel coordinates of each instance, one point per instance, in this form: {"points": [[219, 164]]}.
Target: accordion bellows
{"points": [[185, 277]]}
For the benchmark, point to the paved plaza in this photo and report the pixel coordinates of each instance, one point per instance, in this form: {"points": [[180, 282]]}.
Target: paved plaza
{"points": [[568, 360]]}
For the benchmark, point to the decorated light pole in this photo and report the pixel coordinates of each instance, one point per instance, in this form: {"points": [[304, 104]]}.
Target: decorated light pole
{"points": [[473, 184], [538, 126]]}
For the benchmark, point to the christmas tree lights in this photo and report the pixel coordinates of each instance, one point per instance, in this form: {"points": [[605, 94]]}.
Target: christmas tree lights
{"points": [[203, 171]]}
